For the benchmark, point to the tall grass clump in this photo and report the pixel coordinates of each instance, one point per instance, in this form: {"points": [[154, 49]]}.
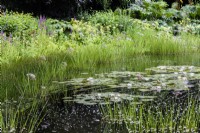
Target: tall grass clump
{"points": [[163, 43], [149, 118], [22, 116]]}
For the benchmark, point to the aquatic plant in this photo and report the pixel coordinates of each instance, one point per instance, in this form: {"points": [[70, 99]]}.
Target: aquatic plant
{"points": [[147, 118], [22, 117]]}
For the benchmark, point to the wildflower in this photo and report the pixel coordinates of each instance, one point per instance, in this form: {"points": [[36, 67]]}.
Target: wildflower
{"points": [[31, 76], [90, 79], [41, 23]]}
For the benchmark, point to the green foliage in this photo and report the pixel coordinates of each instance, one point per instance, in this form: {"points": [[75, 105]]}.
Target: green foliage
{"points": [[18, 24], [19, 117], [148, 10], [137, 11], [112, 22], [192, 11], [157, 10]]}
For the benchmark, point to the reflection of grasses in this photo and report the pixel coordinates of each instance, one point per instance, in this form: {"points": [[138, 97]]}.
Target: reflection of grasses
{"points": [[142, 118]]}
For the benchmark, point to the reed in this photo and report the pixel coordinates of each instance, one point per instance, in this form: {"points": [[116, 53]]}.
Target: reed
{"points": [[149, 118]]}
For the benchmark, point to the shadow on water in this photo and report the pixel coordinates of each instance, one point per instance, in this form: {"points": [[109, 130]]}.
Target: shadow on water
{"points": [[62, 117]]}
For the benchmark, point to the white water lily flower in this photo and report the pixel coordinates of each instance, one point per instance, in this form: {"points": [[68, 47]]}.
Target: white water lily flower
{"points": [[163, 84], [162, 67], [111, 95], [98, 94], [162, 75], [191, 74], [129, 85], [191, 67], [31, 76], [90, 79], [176, 73], [158, 88], [185, 73], [184, 78], [182, 69], [118, 95]]}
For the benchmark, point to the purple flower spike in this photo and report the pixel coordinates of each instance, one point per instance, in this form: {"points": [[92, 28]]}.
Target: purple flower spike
{"points": [[41, 23]]}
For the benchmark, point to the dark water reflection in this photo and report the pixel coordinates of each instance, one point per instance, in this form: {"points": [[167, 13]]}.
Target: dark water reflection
{"points": [[75, 118]]}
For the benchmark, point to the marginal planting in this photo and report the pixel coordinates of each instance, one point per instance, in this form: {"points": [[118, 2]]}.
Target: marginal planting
{"points": [[43, 58]]}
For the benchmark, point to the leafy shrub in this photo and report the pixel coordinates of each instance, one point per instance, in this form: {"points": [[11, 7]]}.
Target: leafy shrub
{"points": [[111, 21], [18, 24], [193, 11], [56, 27], [139, 12], [156, 8], [148, 10], [81, 32]]}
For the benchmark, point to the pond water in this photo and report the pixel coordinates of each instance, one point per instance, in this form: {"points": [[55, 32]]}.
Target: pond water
{"points": [[80, 99]]}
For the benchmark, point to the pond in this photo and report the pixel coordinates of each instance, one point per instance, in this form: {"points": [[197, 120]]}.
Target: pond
{"points": [[141, 94]]}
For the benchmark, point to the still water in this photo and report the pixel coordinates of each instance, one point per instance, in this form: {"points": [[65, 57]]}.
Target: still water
{"points": [[81, 117]]}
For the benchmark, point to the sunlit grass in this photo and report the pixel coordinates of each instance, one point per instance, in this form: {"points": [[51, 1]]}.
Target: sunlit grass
{"points": [[147, 118]]}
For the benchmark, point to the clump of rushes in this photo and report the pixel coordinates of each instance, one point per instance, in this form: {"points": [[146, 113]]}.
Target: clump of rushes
{"points": [[148, 118], [24, 117]]}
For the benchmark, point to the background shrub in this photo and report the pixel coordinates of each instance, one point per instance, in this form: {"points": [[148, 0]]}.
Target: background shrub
{"points": [[18, 24]]}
